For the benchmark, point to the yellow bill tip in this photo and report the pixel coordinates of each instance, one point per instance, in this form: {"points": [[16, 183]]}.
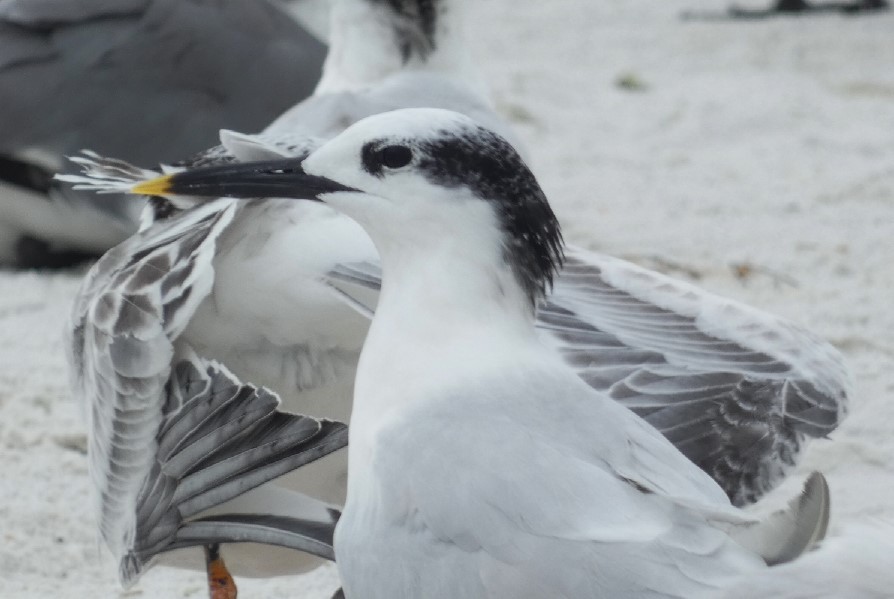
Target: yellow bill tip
{"points": [[153, 187]]}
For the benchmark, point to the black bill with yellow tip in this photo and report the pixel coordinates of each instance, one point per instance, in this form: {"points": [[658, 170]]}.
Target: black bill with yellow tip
{"points": [[273, 178]]}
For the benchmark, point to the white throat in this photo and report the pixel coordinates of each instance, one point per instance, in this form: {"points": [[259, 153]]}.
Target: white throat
{"points": [[444, 314], [363, 47]]}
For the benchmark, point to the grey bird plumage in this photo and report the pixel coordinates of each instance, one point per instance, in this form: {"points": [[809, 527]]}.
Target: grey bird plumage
{"points": [[110, 75], [214, 439]]}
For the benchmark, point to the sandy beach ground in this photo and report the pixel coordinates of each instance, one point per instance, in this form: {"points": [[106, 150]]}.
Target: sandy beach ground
{"points": [[753, 158]]}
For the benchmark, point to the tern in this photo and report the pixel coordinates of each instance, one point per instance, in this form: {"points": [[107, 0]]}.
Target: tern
{"points": [[285, 291], [480, 464]]}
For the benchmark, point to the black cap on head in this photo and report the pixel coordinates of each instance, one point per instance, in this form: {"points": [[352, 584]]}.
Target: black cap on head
{"points": [[485, 163]]}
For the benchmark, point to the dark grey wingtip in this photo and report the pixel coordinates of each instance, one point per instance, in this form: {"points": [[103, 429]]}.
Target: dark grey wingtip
{"points": [[799, 528], [310, 536], [742, 408], [811, 520], [812, 514], [224, 438], [314, 537], [816, 498], [129, 569]]}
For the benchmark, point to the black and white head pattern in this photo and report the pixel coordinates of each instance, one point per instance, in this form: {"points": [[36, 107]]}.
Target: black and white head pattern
{"points": [[468, 155]]}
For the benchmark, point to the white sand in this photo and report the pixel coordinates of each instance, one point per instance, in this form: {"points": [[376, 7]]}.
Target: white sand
{"points": [[767, 144]]}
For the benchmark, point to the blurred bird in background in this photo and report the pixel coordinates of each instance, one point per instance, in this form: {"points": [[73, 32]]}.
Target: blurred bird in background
{"points": [[782, 7], [791, 8], [111, 74]]}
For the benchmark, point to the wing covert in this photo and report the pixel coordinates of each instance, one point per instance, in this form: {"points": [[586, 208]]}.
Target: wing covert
{"points": [[134, 302], [735, 389]]}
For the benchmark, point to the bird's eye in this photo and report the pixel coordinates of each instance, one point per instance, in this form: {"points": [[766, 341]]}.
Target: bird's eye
{"points": [[395, 156]]}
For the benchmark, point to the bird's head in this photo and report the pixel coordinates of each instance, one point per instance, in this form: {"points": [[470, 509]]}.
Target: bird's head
{"points": [[417, 180]]}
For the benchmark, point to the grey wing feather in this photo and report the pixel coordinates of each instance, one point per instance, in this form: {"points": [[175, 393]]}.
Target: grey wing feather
{"points": [[211, 157], [159, 59], [301, 534], [736, 390], [219, 439], [132, 304], [356, 285], [268, 146], [241, 147], [48, 13], [366, 275], [786, 534]]}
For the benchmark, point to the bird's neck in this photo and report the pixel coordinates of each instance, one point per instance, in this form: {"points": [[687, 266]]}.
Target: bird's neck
{"points": [[438, 325], [441, 317], [369, 41], [451, 312]]}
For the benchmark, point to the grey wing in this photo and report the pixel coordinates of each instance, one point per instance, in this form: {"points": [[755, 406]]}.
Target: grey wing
{"points": [[357, 285], [736, 390], [159, 59], [555, 510], [220, 438], [243, 147], [131, 306]]}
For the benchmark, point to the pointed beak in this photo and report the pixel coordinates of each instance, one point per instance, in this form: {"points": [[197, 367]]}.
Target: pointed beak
{"points": [[274, 178]]}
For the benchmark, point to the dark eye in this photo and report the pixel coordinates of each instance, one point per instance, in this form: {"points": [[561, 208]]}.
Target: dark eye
{"points": [[395, 156]]}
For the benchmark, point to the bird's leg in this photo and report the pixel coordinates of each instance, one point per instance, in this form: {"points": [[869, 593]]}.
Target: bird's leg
{"points": [[220, 582]]}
